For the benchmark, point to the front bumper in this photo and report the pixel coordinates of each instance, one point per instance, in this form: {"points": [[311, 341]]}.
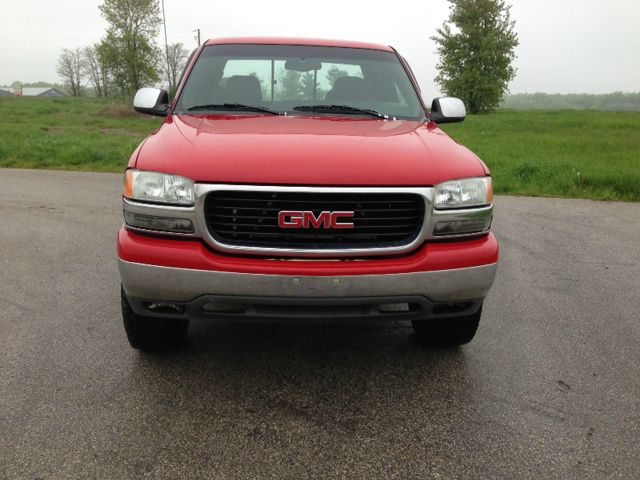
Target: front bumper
{"points": [[182, 284], [188, 273]]}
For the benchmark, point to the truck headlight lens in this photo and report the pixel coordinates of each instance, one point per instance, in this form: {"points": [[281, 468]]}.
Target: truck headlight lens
{"points": [[158, 187], [467, 192]]}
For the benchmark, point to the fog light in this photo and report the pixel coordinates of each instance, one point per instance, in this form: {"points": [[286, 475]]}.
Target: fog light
{"points": [[164, 307], [152, 222], [453, 227]]}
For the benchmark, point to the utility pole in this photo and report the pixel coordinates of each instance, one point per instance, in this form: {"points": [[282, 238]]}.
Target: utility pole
{"points": [[166, 48], [198, 36]]}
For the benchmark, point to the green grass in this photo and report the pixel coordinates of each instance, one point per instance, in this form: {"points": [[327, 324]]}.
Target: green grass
{"points": [[580, 154], [69, 133]]}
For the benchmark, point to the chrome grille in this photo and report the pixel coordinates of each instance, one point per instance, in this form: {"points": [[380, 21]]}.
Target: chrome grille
{"points": [[246, 218]]}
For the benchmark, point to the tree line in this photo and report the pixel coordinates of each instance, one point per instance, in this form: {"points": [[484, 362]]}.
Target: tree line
{"points": [[614, 102], [128, 56], [476, 48], [294, 85]]}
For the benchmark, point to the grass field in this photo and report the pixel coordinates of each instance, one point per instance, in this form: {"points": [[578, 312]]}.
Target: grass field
{"points": [[581, 154], [70, 133]]}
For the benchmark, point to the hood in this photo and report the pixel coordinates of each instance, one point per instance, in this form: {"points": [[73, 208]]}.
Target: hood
{"points": [[300, 150]]}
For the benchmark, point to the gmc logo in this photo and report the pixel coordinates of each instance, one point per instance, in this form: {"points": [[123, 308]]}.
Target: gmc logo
{"points": [[307, 219]]}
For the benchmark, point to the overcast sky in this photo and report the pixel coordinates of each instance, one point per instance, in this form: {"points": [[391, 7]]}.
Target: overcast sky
{"points": [[566, 46]]}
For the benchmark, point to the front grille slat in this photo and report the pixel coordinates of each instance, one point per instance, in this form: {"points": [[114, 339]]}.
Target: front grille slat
{"points": [[276, 209], [250, 219], [382, 219], [276, 227], [309, 201], [317, 235]]}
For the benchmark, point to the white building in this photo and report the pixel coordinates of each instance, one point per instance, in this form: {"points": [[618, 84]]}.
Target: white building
{"points": [[41, 92], [7, 92]]}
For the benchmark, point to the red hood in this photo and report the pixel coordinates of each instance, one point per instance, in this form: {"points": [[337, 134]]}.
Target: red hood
{"points": [[300, 150]]}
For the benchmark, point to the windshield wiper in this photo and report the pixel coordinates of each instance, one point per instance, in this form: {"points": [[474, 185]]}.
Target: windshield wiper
{"points": [[340, 109], [237, 107]]}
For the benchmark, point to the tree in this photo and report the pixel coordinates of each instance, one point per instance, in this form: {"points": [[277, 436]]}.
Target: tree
{"points": [[129, 48], [70, 70], [17, 86], [175, 63], [476, 59], [311, 86], [291, 86], [95, 68], [308, 81]]}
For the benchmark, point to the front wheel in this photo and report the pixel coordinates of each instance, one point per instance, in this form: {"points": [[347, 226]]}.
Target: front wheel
{"points": [[152, 333], [448, 332]]}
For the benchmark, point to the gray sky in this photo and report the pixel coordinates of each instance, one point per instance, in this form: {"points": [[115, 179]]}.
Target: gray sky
{"points": [[566, 46]]}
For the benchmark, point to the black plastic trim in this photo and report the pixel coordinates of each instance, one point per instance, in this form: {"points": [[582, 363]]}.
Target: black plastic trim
{"points": [[296, 309]]}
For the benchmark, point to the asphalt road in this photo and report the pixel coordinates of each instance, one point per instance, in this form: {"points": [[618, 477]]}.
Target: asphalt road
{"points": [[550, 387]]}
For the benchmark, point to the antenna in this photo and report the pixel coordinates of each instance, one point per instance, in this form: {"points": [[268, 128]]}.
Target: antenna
{"points": [[166, 48]]}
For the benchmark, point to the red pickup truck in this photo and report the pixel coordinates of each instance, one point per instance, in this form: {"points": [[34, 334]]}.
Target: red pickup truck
{"points": [[298, 179]]}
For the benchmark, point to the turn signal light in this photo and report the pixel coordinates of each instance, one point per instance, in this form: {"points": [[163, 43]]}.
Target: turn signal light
{"points": [[153, 222], [457, 227]]}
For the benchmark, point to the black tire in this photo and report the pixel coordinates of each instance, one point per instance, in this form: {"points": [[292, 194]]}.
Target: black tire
{"points": [[152, 334], [448, 332]]}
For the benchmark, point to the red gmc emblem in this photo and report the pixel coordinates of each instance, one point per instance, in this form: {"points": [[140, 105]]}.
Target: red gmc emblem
{"points": [[307, 219]]}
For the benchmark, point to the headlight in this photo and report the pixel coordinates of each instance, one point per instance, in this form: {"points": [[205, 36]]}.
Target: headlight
{"points": [[467, 192], [158, 187]]}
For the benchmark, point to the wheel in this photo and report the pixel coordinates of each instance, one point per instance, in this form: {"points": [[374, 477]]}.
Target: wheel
{"points": [[152, 333], [448, 332]]}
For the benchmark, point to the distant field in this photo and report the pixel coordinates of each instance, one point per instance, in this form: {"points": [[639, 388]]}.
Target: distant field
{"points": [[611, 102], [550, 153]]}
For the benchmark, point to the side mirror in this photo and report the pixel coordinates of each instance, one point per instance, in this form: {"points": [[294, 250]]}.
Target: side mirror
{"points": [[152, 101], [447, 110]]}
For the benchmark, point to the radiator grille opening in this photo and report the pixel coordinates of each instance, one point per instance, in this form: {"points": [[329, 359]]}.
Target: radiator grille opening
{"points": [[250, 218]]}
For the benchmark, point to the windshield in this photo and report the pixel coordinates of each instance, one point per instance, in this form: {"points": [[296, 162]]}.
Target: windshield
{"points": [[299, 80]]}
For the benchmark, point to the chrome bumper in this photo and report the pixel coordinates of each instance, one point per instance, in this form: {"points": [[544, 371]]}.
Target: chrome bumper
{"points": [[182, 285]]}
